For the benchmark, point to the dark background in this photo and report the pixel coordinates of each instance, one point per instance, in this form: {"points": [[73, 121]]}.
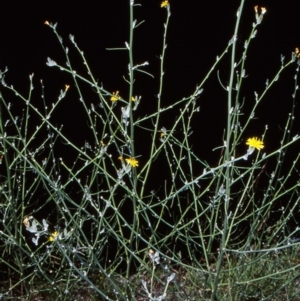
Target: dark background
{"points": [[198, 32]]}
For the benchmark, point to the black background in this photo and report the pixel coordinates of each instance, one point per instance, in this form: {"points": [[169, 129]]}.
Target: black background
{"points": [[198, 32]]}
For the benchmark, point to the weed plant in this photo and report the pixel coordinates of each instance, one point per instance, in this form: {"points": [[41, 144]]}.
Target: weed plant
{"points": [[84, 222]]}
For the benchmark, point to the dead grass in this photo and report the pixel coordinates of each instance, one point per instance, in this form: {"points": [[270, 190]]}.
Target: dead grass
{"points": [[244, 278]]}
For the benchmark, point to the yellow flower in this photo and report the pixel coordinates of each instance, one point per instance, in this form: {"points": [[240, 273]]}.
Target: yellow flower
{"points": [[255, 143], [53, 236], [115, 96], [133, 162], [164, 3]]}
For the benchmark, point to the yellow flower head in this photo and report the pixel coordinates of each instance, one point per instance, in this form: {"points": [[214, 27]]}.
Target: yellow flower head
{"points": [[115, 96], [53, 236], [133, 162], [164, 3], [255, 143]]}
